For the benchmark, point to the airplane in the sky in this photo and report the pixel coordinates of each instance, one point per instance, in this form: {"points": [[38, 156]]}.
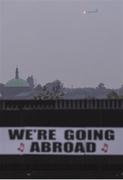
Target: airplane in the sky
{"points": [[90, 11]]}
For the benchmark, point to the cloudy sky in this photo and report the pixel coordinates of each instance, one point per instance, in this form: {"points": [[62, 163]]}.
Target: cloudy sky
{"points": [[54, 39]]}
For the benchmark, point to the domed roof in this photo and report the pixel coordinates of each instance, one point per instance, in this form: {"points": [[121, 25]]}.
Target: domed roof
{"points": [[17, 82]]}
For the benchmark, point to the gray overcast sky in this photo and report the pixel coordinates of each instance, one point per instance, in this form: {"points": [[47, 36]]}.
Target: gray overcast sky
{"points": [[53, 39]]}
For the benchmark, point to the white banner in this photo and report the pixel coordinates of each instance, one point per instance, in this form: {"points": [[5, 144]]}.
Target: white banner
{"points": [[61, 141]]}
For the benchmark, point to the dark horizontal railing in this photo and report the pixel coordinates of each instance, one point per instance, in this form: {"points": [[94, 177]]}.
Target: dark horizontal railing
{"points": [[61, 104]]}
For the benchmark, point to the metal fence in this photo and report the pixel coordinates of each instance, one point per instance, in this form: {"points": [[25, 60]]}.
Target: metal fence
{"points": [[61, 104]]}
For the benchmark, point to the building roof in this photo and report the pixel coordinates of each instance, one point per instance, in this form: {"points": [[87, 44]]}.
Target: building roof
{"points": [[17, 83]]}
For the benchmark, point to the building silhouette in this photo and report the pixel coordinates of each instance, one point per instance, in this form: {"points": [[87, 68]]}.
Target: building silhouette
{"points": [[17, 88]]}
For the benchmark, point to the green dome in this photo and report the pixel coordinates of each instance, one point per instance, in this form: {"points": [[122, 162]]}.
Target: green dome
{"points": [[17, 83]]}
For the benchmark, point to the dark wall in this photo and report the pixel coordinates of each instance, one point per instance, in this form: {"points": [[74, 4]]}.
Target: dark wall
{"points": [[62, 118]]}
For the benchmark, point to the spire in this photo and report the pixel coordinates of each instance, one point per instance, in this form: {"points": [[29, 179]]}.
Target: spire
{"points": [[17, 73]]}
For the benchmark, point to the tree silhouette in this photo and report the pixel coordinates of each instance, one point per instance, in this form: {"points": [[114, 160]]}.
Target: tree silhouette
{"points": [[113, 95]]}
